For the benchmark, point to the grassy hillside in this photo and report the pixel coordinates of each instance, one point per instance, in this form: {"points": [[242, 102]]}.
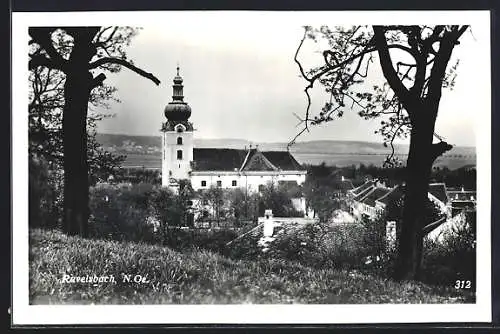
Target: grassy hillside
{"points": [[200, 277]]}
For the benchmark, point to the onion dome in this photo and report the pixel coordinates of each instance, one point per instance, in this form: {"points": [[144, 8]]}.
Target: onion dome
{"points": [[177, 110]]}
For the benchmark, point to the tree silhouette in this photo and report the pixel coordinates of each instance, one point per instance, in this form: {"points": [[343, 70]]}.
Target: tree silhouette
{"points": [[78, 52], [46, 96], [414, 61]]}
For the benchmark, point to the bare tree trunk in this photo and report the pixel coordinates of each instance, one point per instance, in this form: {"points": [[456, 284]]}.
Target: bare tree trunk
{"points": [[417, 184], [78, 85], [76, 188]]}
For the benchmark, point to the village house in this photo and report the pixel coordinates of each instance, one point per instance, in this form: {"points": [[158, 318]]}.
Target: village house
{"points": [[460, 200], [372, 198]]}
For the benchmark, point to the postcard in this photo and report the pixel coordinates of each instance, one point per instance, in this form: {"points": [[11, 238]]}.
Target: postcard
{"points": [[249, 167]]}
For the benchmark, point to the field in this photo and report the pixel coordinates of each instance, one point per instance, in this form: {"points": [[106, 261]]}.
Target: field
{"points": [[199, 276], [340, 160], [332, 152]]}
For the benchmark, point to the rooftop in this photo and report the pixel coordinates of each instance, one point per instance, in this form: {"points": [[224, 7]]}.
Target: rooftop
{"points": [[224, 159]]}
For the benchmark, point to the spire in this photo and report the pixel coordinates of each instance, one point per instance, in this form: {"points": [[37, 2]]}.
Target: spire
{"points": [[177, 110], [178, 87]]}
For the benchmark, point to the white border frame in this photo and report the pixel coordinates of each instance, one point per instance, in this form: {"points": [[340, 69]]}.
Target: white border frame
{"points": [[25, 314]]}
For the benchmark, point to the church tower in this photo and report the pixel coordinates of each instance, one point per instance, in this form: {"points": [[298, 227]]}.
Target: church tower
{"points": [[177, 138]]}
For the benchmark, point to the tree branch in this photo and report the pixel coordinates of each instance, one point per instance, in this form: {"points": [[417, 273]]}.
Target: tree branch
{"points": [[387, 68], [98, 80], [122, 62], [438, 149], [438, 70], [42, 36], [40, 60]]}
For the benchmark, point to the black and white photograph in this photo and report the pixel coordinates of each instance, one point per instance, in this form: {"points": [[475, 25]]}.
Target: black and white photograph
{"points": [[251, 167]]}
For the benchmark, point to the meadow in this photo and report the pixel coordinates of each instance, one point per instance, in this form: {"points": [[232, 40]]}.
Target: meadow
{"points": [[330, 159], [200, 276]]}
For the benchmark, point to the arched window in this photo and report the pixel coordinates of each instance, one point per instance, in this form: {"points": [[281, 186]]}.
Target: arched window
{"points": [[179, 154], [179, 140]]}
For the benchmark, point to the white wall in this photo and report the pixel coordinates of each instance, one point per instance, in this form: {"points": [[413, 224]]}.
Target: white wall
{"points": [[171, 166], [251, 181]]}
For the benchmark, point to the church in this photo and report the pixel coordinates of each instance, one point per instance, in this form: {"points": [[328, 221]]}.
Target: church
{"points": [[248, 168]]}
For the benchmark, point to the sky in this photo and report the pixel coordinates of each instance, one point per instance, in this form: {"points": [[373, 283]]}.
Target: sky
{"points": [[242, 82]]}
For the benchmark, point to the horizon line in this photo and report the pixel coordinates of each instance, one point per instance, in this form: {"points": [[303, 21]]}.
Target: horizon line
{"points": [[274, 142]]}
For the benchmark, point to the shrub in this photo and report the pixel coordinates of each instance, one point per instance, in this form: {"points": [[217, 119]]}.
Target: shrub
{"points": [[120, 212], [321, 245], [45, 195], [453, 257], [278, 198]]}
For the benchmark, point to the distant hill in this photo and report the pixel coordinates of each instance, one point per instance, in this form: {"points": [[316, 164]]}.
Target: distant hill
{"points": [[146, 150], [110, 139], [308, 147]]}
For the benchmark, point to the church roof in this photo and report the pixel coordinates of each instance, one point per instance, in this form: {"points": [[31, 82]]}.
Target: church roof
{"points": [[283, 160], [257, 161], [220, 159], [224, 159]]}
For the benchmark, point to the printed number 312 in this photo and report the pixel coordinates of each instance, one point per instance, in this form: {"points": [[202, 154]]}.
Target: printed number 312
{"points": [[459, 284]]}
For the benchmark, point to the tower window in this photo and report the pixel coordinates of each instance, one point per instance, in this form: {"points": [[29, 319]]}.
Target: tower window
{"points": [[219, 183], [179, 140], [234, 183], [179, 154], [203, 183]]}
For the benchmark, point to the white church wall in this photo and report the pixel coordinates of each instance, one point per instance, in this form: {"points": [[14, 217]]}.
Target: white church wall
{"points": [[243, 180], [171, 165]]}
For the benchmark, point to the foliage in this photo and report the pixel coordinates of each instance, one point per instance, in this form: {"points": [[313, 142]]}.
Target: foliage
{"points": [[166, 210], [406, 101], [202, 277], [218, 204], [324, 191], [461, 177], [348, 53], [454, 257], [44, 194], [77, 52], [137, 175], [121, 212], [278, 199], [215, 199], [374, 235], [45, 123], [147, 213], [243, 206]]}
